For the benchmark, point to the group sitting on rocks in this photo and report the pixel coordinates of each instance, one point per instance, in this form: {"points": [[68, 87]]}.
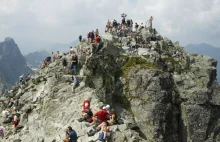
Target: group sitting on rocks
{"points": [[10, 114], [23, 81], [101, 120]]}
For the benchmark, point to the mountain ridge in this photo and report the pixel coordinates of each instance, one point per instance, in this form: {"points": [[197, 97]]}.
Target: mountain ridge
{"points": [[160, 94], [206, 49], [12, 62]]}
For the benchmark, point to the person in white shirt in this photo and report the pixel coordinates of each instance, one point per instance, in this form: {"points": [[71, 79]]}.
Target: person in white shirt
{"points": [[71, 50], [5, 115], [16, 121]]}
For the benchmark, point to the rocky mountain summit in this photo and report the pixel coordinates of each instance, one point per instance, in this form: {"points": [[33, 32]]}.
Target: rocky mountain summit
{"points": [[12, 63], [162, 93]]}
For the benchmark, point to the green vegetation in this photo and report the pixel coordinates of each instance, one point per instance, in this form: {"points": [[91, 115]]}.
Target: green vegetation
{"points": [[125, 57], [137, 63]]}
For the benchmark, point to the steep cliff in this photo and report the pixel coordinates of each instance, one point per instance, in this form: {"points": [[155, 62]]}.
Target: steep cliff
{"points": [[161, 94], [12, 62]]}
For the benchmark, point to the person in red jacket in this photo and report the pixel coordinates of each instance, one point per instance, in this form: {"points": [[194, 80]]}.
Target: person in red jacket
{"points": [[86, 104], [100, 116]]}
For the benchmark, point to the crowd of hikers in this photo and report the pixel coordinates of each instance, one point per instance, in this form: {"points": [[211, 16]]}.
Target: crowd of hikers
{"points": [[105, 116], [61, 59], [126, 27], [11, 112], [100, 121]]}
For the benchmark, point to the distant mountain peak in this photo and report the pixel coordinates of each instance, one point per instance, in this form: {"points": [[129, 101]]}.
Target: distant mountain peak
{"points": [[9, 39]]}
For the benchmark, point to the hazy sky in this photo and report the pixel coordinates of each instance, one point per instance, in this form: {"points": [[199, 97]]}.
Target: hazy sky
{"points": [[35, 23]]}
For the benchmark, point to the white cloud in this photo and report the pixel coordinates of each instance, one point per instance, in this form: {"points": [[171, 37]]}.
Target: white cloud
{"points": [[189, 21], [8, 6]]}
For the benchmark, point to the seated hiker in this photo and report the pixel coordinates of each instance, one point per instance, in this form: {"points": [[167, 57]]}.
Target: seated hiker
{"points": [[28, 78], [48, 59], [80, 38], [100, 116], [86, 115], [64, 62], [44, 64], [86, 111], [107, 108], [74, 84], [15, 120], [71, 135], [103, 134], [5, 115], [113, 117], [86, 104]]}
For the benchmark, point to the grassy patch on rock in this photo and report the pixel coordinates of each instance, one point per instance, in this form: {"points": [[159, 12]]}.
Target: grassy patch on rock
{"points": [[137, 63]]}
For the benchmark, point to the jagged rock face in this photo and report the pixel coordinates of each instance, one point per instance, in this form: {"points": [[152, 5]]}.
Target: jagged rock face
{"points": [[158, 103], [12, 62]]}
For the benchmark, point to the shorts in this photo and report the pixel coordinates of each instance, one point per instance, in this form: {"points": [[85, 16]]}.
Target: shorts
{"points": [[16, 123]]}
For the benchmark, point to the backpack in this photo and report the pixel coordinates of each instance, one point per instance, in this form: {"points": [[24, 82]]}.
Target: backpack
{"points": [[90, 120], [88, 35], [64, 61], [91, 35]]}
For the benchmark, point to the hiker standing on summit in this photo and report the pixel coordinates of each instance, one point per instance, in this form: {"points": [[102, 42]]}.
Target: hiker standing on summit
{"points": [[74, 63], [151, 22]]}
